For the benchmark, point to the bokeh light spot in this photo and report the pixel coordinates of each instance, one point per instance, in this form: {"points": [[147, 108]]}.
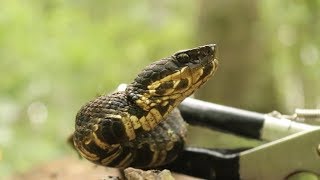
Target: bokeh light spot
{"points": [[37, 113]]}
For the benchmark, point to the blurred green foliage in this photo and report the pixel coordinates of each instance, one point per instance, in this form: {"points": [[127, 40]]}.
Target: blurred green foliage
{"points": [[55, 55], [291, 32]]}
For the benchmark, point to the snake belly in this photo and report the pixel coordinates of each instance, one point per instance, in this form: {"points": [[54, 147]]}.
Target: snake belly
{"points": [[141, 126]]}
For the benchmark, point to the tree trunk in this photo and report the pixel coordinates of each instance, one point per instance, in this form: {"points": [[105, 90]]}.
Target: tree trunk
{"points": [[244, 77]]}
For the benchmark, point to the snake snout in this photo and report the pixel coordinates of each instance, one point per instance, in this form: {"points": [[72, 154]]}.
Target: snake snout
{"points": [[200, 55]]}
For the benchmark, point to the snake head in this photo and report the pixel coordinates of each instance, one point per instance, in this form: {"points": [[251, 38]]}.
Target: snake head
{"points": [[165, 83]]}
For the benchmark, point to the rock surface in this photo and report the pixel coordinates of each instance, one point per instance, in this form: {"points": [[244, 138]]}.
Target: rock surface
{"points": [[71, 168]]}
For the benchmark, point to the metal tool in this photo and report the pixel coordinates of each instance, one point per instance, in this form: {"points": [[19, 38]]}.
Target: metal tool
{"points": [[293, 150]]}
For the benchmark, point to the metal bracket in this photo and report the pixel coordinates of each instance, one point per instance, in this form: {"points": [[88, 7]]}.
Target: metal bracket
{"points": [[278, 159]]}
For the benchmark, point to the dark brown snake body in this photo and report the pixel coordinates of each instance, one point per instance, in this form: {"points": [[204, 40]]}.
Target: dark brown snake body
{"points": [[141, 126]]}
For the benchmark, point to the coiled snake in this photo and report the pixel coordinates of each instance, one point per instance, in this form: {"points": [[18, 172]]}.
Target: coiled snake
{"points": [[141, 126]]}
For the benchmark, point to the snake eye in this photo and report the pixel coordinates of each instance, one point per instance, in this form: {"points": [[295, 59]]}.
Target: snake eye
{"points": [[183, 58]]}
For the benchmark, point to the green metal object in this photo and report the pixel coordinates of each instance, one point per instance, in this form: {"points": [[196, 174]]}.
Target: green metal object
{"points": [[303, 176], [279, 159]]}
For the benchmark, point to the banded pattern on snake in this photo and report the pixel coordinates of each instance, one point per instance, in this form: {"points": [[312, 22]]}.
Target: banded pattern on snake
{"points": [[141, 126]]}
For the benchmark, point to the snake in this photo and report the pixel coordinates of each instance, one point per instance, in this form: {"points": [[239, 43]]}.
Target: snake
{"points": [[141, 125]]}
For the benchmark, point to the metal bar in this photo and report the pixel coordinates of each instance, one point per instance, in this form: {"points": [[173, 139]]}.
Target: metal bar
{"points": [[241, 122], [206, 164]]}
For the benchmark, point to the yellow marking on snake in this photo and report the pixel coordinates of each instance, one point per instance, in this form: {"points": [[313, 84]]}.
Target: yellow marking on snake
{"points": [[97, 120], [170, 108], [215, 65], [153, 148], [128, 128], [191, 90], [152, 120], [141, 103], [172, 77], [95, 127], [153, 104], [112, 116], [152, 91], [98, 142], [164, 103], [164, 98], [156, 114], [126, 161], [144, 97], [189, 84], [185, 72], [175, 96], [154, 85], [196, 75], [176, 83], [145, 124], [162, 157], [168, 91], [135, 122], [147, 101], [110, 158], [154, 158], [87, 141], [169, 146], [87, 154]]}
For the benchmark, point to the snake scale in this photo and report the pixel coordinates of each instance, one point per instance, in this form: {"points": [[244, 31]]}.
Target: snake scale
{"points": [[141, 126]]}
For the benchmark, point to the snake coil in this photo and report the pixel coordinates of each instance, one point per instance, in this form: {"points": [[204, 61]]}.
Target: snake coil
{"points": [[141, 126]]}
